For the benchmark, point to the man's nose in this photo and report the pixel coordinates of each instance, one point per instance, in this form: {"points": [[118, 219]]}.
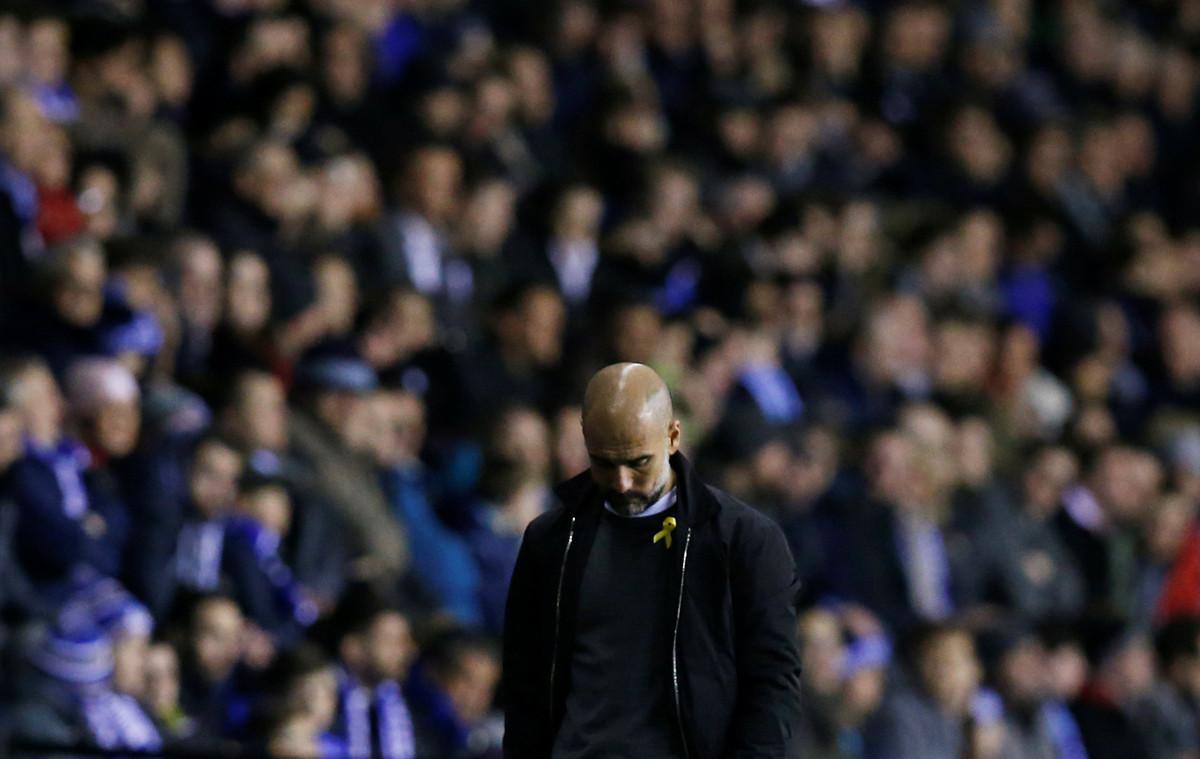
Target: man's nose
{"points": [[624, 479]]}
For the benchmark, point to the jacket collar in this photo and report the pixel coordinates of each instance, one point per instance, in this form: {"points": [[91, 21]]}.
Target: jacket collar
{"points": [[696, 502]]}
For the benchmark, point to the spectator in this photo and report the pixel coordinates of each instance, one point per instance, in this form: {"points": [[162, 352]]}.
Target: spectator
{"points": [[214, 642], [160, 697], [323, 432], [70, 700], [451, 691], [374, 650], [442, 562], [301, 698], [263, 584], [929, 717], [521, 362], [59, 526], [514, 490], [212, 490]]}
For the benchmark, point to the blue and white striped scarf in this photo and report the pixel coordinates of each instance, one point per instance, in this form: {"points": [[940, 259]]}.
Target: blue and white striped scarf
{"points": [[116, 721], [395, 723]]}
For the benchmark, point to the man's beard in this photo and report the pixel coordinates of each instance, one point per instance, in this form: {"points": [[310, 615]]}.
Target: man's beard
{"points": [[633, 503]]}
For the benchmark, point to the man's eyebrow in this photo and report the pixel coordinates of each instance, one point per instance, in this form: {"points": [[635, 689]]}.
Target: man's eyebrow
{"points": [[631, 460]]}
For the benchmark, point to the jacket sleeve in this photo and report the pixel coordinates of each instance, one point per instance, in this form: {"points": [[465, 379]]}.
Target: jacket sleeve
{"points": [[766, 587], [522, 686]]}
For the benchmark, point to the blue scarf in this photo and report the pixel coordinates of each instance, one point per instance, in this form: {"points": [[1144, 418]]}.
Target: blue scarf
{"points": [[116, 721], [1064, 731], [198, 556], [395, 723], [67, 460], [265, 545]]}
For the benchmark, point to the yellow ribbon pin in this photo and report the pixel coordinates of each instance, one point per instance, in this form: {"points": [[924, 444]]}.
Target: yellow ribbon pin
{"points": [[665, 532]]}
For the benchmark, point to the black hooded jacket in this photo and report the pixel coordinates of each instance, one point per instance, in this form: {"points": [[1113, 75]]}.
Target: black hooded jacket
{"points": [[733, 663]]}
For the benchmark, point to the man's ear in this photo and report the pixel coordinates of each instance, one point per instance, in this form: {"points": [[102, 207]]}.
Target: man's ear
{"points": [[673, 437]]}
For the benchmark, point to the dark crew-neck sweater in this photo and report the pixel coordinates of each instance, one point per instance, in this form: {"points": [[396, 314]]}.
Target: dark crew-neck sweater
{"points": [[621, 702]]}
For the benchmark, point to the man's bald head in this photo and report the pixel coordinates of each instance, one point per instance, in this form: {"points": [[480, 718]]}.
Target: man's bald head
{"points": [[626, 396], [630, 428]]}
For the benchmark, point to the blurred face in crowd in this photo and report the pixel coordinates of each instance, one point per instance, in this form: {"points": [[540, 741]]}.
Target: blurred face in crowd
{"points": [[397, 431], [434, 179], [12, 57], [524, 442], [200, 274], [248, 293], [821, 651], [916, 36], [1051, 472], [337, 293], [838, 36], [674, 201], [1126, 482], [115, 426], [46, 47], [570, 449], [99, 195], [161, 694], [472, 685], [1184, 670], [637, 333], [544, 317], [1131, 669], [963, 355], [260, 412], [862, 694], [1179, 332], [315, 697], [933, 434], [533, 85], [344, 71], [975, 449], [532, 332], [1023, 676], [898, 347], [268, 505], [10, 437], [489, 216], [891, 468], [406, 326], [171, 69], [78, 293], [217, 631], [1067, 670], [270, 179], [383, 651], [1168, 527], [129, 664], [578, 214], [949, 670], [23, 129], [54, 169], [40, 404], [212, 482], [979, 146]]}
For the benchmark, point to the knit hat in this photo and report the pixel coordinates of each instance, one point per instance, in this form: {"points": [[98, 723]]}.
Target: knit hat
{"points": [[104, 604], [81, 656], [93, 382]]}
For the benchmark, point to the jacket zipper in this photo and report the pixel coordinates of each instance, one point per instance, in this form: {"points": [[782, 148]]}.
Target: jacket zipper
{"points": [[687, 541], [562, 576]]}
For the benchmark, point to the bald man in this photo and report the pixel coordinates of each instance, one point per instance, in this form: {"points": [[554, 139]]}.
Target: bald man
{"points": [[650, 615]]}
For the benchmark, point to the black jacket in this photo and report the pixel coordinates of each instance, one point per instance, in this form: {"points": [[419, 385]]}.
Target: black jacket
{"points": [[733, 662]]}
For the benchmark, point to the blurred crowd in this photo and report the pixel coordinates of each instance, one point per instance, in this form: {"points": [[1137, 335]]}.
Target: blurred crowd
{"points": [[298, 297]]}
